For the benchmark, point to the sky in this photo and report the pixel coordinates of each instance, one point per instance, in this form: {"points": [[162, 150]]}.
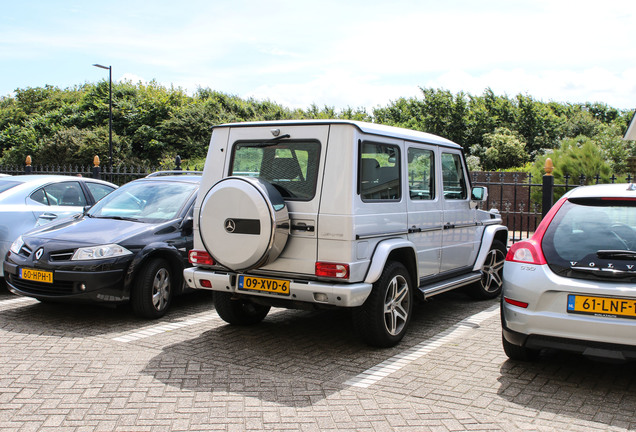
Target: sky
{"points": [[335, 53]]}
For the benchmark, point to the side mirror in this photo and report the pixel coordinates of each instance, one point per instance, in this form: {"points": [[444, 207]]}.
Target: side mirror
{"points": [[479, 193], [187, 224]]}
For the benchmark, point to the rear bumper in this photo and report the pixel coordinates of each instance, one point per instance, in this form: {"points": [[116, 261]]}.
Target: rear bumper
{"points": [[546, 321], [585, 347], [342, 294]]}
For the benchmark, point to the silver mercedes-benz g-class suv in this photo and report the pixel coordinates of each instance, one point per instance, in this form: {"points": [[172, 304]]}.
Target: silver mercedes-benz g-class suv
{"points": [[338, 213]]}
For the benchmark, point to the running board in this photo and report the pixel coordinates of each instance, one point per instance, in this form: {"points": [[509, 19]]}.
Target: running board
{"points": [[449, 284]]}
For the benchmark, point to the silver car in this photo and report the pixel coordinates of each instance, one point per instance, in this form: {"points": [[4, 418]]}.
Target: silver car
{"points": [[28, 201], [572, 286], [321, 214]]}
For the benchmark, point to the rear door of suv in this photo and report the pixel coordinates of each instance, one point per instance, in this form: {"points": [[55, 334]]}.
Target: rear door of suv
{"points": [[292, 159], [461, 234], [424, 207]]}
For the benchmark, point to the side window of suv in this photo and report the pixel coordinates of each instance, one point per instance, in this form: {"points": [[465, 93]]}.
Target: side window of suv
{"points": [[453, 177], [379, 178], [421, 174]]}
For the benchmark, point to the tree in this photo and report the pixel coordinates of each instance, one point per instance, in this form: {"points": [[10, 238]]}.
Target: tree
{"points": [[575, 159], [152, 123], [503, 149], [540, 127]]}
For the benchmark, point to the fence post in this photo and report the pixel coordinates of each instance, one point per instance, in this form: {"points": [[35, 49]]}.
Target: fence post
{"points": [[177, 163], [548, 187], [96, 169], [28, 169]]}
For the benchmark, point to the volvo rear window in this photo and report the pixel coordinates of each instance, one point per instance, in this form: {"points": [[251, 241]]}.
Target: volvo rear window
{"points": [[291, 166], [593, 239]]}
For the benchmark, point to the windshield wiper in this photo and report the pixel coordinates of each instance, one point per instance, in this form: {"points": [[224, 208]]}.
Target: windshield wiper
{"points": [[117, 218], [271, 142], [617, 254]]}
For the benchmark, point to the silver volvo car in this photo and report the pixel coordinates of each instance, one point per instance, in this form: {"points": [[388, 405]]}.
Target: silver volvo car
{"points": [[572, 286]]}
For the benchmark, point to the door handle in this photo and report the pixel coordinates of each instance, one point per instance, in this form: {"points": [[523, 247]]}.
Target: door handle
{"points": [[48, 216], [302, 227]]}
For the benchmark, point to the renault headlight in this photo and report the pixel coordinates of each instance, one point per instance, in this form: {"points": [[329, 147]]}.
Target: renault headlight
{"points": [[100, 252], [17, 245]]}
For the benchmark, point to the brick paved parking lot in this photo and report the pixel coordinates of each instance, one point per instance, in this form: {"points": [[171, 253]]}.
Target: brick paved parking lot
{"points": [[83, 368]]}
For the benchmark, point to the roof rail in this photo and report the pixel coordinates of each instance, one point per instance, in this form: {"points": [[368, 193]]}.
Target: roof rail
{"points": [[174, 172]]}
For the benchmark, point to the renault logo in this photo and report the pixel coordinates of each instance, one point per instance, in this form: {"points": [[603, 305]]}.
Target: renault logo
{"points": [[38, 253], [230, 225]]}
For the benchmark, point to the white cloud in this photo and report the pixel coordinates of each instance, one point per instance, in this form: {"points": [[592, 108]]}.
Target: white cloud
{"points": [[336, 88], [576, 86], [135, 79]]}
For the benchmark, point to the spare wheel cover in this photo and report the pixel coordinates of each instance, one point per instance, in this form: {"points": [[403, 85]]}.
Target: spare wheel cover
{"points": [[243, 223]]}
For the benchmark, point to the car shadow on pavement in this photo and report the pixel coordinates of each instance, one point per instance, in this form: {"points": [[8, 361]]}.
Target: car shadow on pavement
{"points": [[293, 358], [571, 385], [77, 320]]}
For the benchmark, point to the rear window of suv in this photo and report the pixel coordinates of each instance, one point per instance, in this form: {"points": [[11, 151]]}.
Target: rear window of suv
{"points": [[593, 239], [291, 166]]}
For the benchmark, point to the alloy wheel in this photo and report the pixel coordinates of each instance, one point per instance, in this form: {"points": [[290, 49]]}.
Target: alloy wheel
{"points": [[396, 305], [161, 289]]}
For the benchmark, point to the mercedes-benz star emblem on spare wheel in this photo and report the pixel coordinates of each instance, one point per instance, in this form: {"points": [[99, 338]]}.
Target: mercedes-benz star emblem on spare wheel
{"points": [[230, 225]]}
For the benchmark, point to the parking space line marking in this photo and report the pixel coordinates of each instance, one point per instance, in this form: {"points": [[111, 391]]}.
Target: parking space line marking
{"points": [[398, 361], [16, 300], [163, 328]]}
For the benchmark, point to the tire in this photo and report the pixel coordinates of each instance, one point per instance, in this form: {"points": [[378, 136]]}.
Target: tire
{"points": [[153, 289], [519, 353], [384, 317], [489, 286], [240, 311]]}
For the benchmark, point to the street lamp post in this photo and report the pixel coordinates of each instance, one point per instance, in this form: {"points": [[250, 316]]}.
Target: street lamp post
{"points": [[110, 114]]}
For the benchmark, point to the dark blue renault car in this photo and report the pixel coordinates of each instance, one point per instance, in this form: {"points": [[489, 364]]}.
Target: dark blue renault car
{"points": [[132, 246]]}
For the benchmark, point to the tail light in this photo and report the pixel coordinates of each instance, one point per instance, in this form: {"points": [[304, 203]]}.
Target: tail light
{"points": [[516, 302], [332, 270], [529, 251], [200, 257]]}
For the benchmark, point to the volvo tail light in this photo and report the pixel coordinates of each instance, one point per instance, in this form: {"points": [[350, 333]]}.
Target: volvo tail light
{"points": [[529, 251], [526, 252]]}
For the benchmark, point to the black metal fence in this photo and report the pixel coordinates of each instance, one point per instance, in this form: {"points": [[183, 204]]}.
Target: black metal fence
{"points": [[520, 197], [118, 174]]}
